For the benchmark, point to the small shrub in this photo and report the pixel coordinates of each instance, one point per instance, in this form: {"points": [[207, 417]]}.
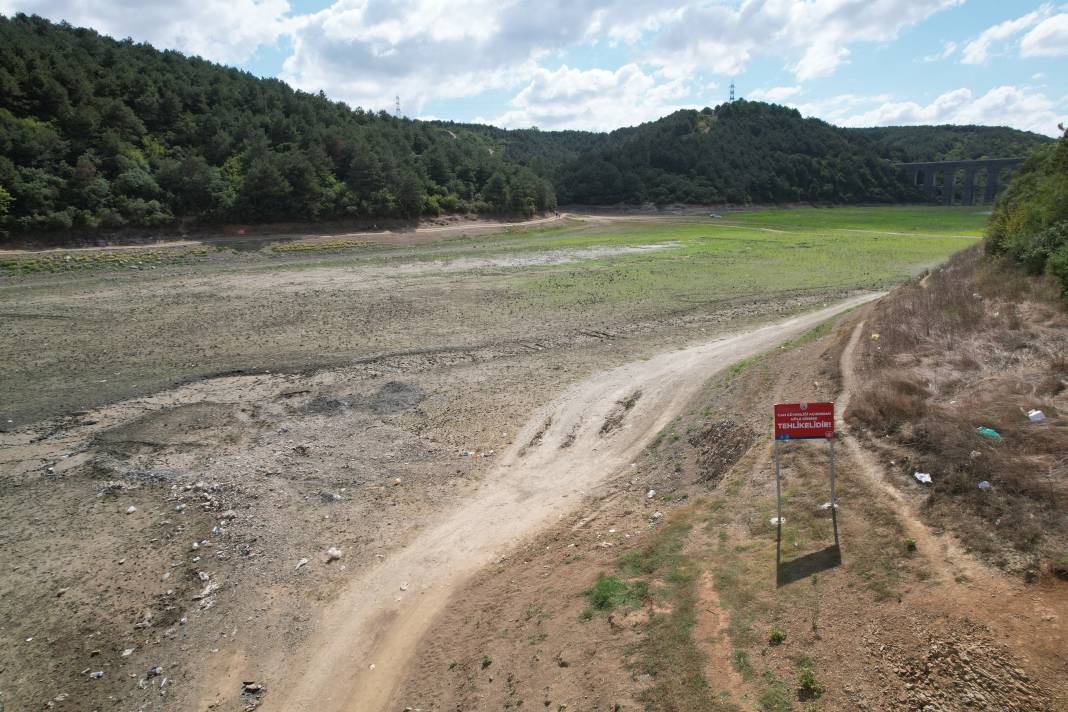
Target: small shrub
{"points": [[1059, 568], [808, 687], [608, 592], [910, 545], [776, 636], [486, 661], [740, 659]]}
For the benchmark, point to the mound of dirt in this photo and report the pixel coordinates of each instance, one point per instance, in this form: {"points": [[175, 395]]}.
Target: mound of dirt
{"points": [[390, 398], [720, 445], [188, 425]]}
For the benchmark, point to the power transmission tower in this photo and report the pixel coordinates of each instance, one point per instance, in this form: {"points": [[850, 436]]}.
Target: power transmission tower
{"points": [[396, 110], [732, 91]]}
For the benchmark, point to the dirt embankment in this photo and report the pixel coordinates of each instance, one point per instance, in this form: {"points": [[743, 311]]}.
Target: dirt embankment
{"points": [[966, 380], [710, 614], [180, 540]]}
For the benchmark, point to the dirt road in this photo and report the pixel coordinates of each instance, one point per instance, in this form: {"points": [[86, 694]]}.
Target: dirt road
{"points": [[363, 640]]}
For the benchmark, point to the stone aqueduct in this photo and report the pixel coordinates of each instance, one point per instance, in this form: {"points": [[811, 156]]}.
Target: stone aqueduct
{"points": [[994, 171]]}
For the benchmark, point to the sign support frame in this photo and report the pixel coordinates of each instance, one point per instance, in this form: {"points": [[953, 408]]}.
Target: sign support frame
{"points": [[830, 436]]}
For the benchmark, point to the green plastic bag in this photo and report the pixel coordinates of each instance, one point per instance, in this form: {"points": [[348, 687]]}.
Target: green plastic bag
{"points": [[988, 432]]}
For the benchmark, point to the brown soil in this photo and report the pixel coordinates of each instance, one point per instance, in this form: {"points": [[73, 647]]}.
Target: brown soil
{"points": [[262, 471], [888, 629], [476, 479]]}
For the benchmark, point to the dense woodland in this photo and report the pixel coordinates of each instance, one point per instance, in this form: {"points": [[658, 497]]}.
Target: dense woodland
{"points": [[913, 144], [99, 133], [1030, 220]]}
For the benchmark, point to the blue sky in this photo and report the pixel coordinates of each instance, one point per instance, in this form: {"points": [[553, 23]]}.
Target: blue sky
{"points": [[600, 64]]}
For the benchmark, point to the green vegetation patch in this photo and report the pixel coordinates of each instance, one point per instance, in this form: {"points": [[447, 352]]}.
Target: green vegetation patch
{"points": [[711, 261], [101, 260], [609, 592], [304, 246]]}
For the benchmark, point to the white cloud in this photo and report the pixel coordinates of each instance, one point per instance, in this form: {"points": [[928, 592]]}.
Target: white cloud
{"points": [[1019, 107], [978, 50], [1048, 39], [815, 34], [774, 94], [366, 51], [227, 31], [595, 99], [948, 48]]}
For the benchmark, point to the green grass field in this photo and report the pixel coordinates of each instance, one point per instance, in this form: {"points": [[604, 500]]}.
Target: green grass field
{"points": [[767, 251]]}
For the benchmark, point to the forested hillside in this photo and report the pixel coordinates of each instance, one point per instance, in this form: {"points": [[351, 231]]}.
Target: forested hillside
{"points": [[98, 133], [739, 152], [1030, 220], [951, 143]]}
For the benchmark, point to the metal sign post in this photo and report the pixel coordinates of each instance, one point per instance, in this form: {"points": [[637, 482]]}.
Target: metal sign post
{"points": [[778, 489], [834, 497], [804, 421]]}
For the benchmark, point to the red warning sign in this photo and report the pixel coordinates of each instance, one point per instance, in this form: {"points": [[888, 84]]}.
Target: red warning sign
{"points": [[803, 421]]}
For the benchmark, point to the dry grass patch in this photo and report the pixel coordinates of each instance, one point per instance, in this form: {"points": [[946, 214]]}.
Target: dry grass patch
{"points": [[975, 344]]}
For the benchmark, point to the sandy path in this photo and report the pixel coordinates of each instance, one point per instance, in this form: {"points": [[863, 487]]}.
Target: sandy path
{"points": [[362, 641]]}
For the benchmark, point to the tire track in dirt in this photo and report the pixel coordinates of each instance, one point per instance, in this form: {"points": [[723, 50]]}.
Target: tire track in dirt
{"points": [[363, 640]]}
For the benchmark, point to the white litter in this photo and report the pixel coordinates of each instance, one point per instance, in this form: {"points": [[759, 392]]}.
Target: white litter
{"points": [[778, 520], [650, 494], [984, 485], [333, 554], [1036, 416], [922, 477], [302, 562], [827, 505], [131, 509]]}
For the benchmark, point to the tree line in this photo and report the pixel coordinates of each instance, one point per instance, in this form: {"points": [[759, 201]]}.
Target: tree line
{"points": [[97, 133], [1030, 219]]}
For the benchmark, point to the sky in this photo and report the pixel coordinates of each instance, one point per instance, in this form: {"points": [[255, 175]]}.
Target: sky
{"points": [[602, 64]]}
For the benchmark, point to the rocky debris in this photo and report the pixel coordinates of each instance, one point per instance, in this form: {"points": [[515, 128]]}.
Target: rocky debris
{"points": [[112, 487], [964, 671], [333, 554], [252, 692]]}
